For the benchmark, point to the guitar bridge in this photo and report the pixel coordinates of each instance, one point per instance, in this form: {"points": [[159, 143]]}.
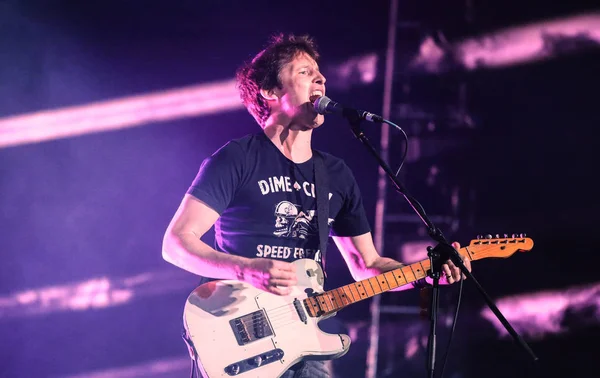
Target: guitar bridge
{"points": [[251, 327]]}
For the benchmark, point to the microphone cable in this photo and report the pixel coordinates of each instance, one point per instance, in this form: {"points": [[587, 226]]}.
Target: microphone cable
{"points": [[460, 289]]}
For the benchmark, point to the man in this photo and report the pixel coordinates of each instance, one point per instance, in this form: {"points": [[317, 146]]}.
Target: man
{"points": [[259, 190]]}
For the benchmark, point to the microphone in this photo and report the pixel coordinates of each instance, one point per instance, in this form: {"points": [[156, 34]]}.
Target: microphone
{"points": [[324, 105]]}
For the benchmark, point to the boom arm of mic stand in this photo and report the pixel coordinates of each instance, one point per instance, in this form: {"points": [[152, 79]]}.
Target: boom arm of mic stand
{"points": [[443, 250]]}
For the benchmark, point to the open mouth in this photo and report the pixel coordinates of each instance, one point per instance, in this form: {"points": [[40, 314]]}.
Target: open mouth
{"points": [[314, 96]]}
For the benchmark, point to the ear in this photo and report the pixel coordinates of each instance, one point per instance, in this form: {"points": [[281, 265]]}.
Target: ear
{"points": [[268, 94]]}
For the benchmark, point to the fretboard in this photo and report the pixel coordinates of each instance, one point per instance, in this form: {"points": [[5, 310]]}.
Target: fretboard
{"points": [[336, 299]]}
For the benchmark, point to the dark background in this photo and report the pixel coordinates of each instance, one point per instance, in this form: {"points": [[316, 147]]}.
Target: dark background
{"points": [[97, 205]]}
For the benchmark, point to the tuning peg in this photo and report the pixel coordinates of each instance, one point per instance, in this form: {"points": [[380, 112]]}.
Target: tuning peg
{"points": [[497, 236], [522, 235], [514, 235], [478, 236], [488, 236], [505, 236]]}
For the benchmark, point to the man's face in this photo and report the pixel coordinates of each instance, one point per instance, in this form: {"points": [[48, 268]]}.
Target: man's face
{"points": [[302, 83]]}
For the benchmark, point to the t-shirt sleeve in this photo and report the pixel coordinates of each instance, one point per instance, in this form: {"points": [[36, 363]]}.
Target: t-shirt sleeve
{"points": [[219, 177], [352, 218]]}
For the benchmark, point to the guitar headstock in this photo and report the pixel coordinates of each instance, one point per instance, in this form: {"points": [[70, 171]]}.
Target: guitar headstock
{"points": [[489, 246]]}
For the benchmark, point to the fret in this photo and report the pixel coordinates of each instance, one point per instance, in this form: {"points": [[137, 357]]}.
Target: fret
{"points": [[343, 299], [340, 295], [409, 274], [389, 277], [332, 299], [362, 293], [381, 280], [375, 284], [322, 303], [328, 300], [368, 288], [346, 296], [400, 276], [312, 306], [420, 272], [348, 293], [337, 300], [426, 265], [355, 294]]}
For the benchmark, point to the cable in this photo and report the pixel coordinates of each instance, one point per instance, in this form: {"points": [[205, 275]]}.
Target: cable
{"points": [[406, 141], [460, 289]]}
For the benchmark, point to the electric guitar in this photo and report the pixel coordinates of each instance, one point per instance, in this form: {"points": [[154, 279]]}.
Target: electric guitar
{"points": [[235, 329]]}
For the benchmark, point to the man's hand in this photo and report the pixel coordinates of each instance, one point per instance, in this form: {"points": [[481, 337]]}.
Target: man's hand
{"points": [[452, 273], [270, 275]]}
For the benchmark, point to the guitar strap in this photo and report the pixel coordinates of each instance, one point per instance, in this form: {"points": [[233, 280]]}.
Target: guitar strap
{"points": [[322, 193]]}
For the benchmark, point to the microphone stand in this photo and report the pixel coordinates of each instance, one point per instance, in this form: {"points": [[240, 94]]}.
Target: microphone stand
{"points": [[438, 255]]}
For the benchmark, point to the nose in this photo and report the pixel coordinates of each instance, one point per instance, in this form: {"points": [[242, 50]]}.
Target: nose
{"points": [[320, 79]]}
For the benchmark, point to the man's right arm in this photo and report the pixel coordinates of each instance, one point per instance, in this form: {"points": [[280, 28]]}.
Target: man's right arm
{"points": [[183, 247]]}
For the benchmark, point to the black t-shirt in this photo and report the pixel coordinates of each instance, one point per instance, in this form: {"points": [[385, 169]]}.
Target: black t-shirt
{"points": [[267, 204]]}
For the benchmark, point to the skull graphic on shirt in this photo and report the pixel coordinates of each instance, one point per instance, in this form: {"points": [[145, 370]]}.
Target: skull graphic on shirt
{"points": [[290, 222]]}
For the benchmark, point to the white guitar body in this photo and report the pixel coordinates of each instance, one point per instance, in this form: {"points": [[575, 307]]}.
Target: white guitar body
{"points": [[237, 330]]}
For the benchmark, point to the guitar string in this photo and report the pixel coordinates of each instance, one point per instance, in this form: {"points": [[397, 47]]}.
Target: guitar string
{"points": [[331, 295], [281, 323], [280, 313], [275, 314], [272, 317], [285, 309], [278, 321], [273, 321], [352, 300], [285, 306]]}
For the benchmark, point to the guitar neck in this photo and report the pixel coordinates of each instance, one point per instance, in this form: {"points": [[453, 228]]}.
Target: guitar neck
{"points": [[336, 299]]}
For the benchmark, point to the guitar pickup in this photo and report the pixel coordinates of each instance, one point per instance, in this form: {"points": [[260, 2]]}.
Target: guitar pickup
{"points": [[300, 310], [251, 327]]}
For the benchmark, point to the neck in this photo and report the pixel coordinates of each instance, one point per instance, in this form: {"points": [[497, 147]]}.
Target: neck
{"points": [[293, 142]]}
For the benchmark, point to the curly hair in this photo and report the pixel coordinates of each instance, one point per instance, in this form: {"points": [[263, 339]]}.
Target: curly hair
{"points": [[262, 72]]}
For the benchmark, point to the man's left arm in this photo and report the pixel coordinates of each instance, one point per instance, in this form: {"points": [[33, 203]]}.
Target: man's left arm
{"points": [[364, 261]]}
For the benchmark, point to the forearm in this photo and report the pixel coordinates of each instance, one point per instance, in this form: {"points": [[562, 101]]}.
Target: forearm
{"points": [[188, 252]]}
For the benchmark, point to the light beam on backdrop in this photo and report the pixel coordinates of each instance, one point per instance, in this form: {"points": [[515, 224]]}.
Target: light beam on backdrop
{"points": [[164, 367], [549, 312], [119, 113], [506, 47], [95, 293], [510, 46]]}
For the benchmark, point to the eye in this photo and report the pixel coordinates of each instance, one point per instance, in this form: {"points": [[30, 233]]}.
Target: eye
{"points": [[303, 72]]}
